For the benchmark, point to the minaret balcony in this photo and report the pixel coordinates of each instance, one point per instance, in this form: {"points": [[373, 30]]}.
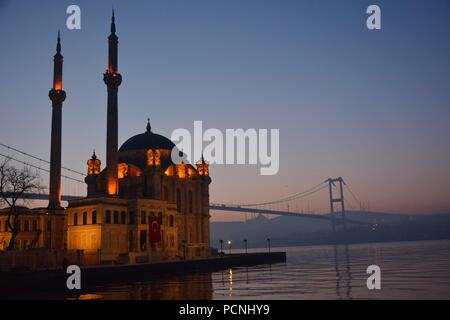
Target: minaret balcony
{"points": [[57, 96], [112, 79]]}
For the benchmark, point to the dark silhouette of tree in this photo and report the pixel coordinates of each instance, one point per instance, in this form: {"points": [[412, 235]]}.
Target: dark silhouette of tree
{"points": [[14, 185]]}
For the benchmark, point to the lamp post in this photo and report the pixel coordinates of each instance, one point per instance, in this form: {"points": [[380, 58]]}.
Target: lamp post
{"points": [[221, 246], [229, 246], [184, 249], [268, 244], [245, 244]]}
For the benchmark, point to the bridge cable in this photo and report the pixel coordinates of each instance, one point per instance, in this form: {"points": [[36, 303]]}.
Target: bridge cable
{"points": [[40, 159], [299, 195], [38, 168]]}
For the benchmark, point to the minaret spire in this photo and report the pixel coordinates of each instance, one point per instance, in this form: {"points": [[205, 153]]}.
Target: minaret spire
{"points": [[58, 44], [112, 79], [112, 46], [113, 23], [57, 95]]}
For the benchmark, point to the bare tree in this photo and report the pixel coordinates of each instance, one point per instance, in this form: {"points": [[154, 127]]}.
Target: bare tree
{"points": [[14, 185]]}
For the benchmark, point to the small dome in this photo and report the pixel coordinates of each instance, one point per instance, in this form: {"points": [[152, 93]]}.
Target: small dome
{"points": [[147, 140]]}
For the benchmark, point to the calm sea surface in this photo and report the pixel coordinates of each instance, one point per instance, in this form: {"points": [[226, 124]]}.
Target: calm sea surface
{"points": [[409, 270]]}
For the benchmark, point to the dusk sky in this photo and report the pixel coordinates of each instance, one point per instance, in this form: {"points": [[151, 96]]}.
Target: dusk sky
{"points": [[370, 106]]}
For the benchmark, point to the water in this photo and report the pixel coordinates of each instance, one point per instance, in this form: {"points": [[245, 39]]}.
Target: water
{"points": [[409, 270]]}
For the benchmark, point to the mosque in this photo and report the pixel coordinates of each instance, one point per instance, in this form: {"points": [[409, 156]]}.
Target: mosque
{"points": [[140, 207]]}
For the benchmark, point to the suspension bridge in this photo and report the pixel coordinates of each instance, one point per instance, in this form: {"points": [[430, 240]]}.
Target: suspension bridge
{"points": [[73, 187]]}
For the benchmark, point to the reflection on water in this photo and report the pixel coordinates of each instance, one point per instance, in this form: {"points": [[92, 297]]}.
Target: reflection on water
{"points": [[409, 270]]}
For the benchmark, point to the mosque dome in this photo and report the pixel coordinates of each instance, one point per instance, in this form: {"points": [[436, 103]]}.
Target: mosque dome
{"points": [[147, 140]]}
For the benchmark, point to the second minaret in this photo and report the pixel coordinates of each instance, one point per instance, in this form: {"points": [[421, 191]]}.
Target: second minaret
{"points": [[57, 95], [112, 79]]}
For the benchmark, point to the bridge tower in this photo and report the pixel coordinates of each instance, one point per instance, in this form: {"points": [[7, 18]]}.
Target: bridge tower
{"points": [[338, 200]]}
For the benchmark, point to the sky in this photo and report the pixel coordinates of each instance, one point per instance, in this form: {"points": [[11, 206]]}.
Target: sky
{"points": [[372, 106]]}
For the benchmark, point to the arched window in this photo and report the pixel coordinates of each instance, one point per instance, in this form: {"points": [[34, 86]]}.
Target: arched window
{"points": [[178, 200], [94, 217], [35, 226], [85, 218], [132, 218], [171, 220], [108, 217], [26, 226], [116, 217], [75, 219], [191, 202], [143, 217], [160, 218], [123, 217]]}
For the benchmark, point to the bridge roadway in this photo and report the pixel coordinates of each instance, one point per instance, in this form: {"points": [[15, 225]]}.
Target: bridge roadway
{"points": [[229, 208]]}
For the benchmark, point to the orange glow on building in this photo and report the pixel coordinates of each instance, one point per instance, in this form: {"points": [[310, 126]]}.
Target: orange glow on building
{"points": [[58, 85], [203, 168], [122, 170], [112, 188], [181, 171], [154, 158], [93, 166], [169, 171]]}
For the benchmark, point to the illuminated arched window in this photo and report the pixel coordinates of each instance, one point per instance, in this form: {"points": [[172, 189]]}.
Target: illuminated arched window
{"points": [[93, 165], [182, 170], [153, 158], [203, 167], [123, 170]]}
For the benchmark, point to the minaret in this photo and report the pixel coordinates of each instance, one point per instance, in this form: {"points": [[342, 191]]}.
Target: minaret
{"points": [[112, 79], [57, 95]]}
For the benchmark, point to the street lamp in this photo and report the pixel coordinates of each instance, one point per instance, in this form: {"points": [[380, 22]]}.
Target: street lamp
{"points": [[229, 246], [245, 244], [221, 246], [268, 243]]}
